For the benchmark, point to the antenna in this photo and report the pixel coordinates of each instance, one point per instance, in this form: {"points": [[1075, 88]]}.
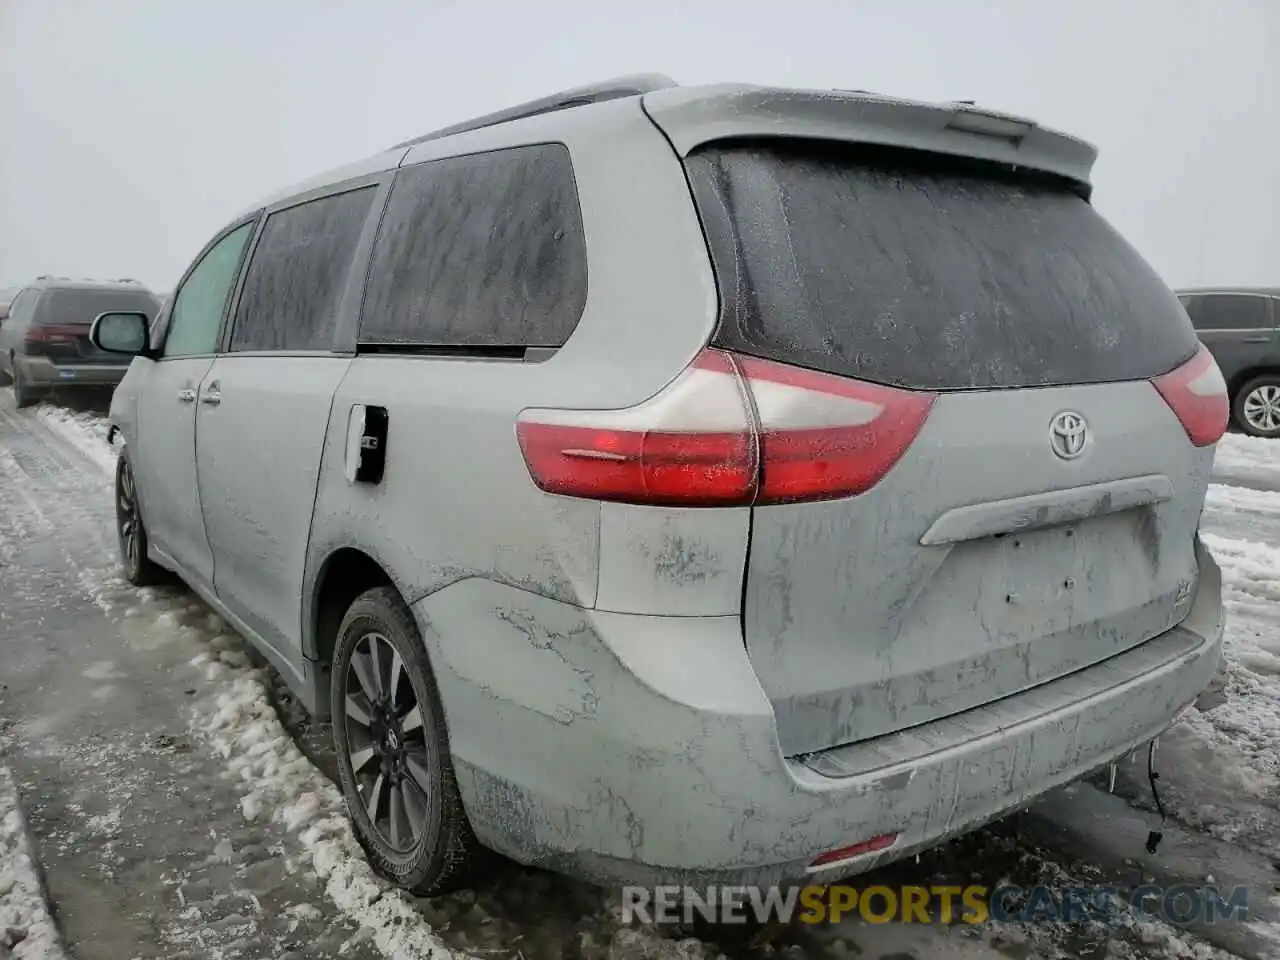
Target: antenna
{"points": [[615, 89]]}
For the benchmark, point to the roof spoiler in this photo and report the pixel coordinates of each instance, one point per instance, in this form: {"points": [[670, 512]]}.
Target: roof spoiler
{"points": [[692, 116], [629, 86]]}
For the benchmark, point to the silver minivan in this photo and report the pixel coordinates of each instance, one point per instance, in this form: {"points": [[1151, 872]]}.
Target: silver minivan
{"points": [[661, 483]]}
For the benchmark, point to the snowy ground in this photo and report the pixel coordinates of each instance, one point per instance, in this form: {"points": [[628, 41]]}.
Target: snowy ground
{"points": [[273, 765], [26, 929], [1235, 746]]}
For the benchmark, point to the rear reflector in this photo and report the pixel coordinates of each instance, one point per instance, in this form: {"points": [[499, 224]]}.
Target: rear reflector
{"points": [[729, 431], [1197, 394], [857, 850]]}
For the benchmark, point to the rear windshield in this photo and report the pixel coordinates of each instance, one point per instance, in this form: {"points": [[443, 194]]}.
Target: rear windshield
{"points": [[917, 271], [81, 307]]}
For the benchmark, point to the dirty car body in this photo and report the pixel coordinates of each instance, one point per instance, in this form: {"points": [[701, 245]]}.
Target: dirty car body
{"points": [[780, 481]]}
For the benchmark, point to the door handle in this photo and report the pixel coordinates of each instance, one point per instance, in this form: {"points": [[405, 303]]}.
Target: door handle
{"points": [[187, 395], [211, 397]]}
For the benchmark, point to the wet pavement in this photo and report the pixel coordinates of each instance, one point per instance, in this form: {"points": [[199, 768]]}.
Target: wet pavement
{"points": [[182, 803]]}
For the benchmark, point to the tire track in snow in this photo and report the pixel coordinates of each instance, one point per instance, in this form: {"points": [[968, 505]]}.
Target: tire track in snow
{"points": [[96, 746], [236, 718]]}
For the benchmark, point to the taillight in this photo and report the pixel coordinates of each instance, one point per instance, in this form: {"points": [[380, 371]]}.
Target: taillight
{"points": [[823, 436], [1197, 395], [729, 431], [692, 444], [50, 335]]}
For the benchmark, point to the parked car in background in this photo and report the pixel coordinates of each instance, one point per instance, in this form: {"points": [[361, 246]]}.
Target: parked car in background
{"points": [[719, 482], [44, 342], [1240, 325]]}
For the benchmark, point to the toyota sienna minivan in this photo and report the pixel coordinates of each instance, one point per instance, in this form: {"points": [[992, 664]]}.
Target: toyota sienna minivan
{"points": [[659, 483]]}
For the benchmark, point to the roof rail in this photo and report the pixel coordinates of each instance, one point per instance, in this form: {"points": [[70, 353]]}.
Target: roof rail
{"points": [[629, 86]]}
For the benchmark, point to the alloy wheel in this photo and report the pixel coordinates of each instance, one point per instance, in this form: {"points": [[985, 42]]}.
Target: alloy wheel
{"points": [[386, 742], [127, 516], [1262, 408]]}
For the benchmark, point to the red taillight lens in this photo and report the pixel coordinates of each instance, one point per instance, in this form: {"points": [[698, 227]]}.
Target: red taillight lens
{"points": [[1197, 395], [690, 445], [670, 468], [51, 335], [729, 431], [856, 850], [823, 436]]}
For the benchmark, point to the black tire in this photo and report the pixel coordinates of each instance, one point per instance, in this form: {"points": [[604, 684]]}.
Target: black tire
{"points": [[404, 764], [137, 567], [23, 395], [1264, 391], [5, 378]]}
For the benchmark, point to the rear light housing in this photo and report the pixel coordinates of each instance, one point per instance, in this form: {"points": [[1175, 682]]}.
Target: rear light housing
{"points": [[729, 431], [62, 335], [1197, 394]]}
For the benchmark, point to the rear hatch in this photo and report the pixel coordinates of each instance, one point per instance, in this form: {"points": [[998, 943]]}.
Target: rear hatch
{"points": [[65, 317], [1038, 511]]}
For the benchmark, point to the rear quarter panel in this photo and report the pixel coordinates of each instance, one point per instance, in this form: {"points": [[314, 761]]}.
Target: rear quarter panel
{"points": [[456, 501]]}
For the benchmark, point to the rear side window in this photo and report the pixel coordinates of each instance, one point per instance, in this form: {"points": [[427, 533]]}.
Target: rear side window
{"points": [[920, 271], [1230, 312], [483, 250], [80, 307], [295, 281]]}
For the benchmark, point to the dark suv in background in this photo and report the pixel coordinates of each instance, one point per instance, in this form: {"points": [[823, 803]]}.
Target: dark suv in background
{"points": [[44, 341], [1238, 325]]}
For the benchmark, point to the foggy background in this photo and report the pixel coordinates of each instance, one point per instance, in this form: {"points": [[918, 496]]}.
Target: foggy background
{"points": [[131, 130]]}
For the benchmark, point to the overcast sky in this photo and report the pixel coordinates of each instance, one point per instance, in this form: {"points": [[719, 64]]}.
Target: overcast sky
{"points": [[131, 130]]}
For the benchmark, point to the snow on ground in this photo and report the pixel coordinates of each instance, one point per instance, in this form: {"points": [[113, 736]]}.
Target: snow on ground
{"points": [[26, 929], [1236, 744], [1241, 513], [85, 431], [1237, 452], [281, 784]]}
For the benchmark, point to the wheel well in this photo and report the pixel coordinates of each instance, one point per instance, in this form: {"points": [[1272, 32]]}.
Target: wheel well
{"points": [[1244, 376], [347, 574]]}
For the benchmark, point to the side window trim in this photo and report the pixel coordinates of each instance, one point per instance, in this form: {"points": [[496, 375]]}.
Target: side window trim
{"points": [[254, 218], [344, 341]]}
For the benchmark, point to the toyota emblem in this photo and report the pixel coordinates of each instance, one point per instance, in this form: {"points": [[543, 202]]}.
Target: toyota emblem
{"points": [[1067, 434]]}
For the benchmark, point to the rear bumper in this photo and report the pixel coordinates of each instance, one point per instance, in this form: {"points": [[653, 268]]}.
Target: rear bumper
{"points": [[642, 750], [42, 372]]}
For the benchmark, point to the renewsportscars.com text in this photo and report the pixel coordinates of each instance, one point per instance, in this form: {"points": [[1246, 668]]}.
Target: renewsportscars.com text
{"points": [[935, 904]]}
